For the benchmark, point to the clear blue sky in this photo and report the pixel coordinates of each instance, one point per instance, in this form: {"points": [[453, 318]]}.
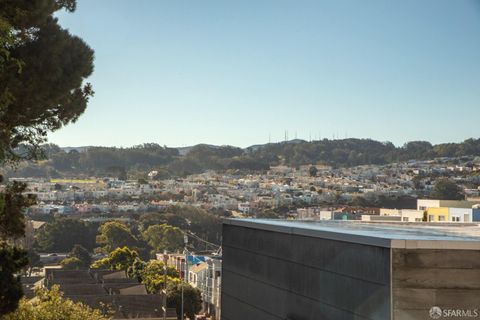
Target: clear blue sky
{"points": [[181, 72]]}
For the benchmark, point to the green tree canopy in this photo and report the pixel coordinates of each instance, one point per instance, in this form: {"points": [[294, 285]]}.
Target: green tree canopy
{"points": [[118, 259], [12, 261], [81, 254], [200, 222], [152, 275], [149, 219], [44, 89], [12, 203], [135, 271], [446, 189], [114, 234], [51, 305], [72, 263], [62, 234], [164, 237], [192, 298]]}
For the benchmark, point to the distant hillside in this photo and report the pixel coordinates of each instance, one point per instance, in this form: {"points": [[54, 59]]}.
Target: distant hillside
{"points": [[259, 146], [173, 162], [79, 149], [184, 150]]}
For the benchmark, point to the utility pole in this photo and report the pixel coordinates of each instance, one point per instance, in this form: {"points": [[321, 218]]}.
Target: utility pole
{"points": [[185, 251], [164, 291]]}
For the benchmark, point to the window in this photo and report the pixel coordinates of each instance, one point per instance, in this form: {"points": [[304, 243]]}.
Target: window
{"points": [[405, 219], [431, 217], [418, 219], [441, 218], [455, 219]]}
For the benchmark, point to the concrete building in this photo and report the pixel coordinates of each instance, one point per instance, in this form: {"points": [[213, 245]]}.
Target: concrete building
{"points": [[333, 270]]}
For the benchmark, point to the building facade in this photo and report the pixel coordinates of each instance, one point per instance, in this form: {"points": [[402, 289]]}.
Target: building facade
{"points": [[335, 270]]}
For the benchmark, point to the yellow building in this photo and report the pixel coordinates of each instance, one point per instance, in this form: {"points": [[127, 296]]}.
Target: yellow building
{"points": [[437, 214]]}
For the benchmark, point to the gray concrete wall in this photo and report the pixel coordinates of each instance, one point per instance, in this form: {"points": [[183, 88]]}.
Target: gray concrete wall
{"points": [[422, 279], [271, 275]]}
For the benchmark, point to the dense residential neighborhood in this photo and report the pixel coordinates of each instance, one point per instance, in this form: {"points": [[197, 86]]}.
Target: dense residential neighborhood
{"points": [[251, 194]]}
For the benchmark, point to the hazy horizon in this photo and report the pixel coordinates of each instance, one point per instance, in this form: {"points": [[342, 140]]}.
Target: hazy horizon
{"points": [[253, 144], [236, 73]]}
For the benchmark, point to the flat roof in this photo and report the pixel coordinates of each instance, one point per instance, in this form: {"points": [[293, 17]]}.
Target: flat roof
{"points": [[384, 234]]}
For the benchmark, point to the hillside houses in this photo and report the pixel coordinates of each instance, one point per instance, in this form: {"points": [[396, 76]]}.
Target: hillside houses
{"points": [[246, 194]]}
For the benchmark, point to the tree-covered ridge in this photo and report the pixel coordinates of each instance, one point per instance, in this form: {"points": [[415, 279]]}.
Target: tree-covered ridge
{"points": [[169, 162]]}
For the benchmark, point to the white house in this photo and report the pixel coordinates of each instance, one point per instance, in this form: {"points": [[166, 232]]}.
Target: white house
{"points": [[460, 215]]}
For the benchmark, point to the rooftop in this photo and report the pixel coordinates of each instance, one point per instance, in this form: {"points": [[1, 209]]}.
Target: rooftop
{"points": [[391, 235]]}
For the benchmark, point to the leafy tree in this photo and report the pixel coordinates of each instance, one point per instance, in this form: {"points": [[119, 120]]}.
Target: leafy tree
{"points": [[118, 259], [360, 201], [72, 263], [81, 254], [135, 271], [51, 305], [46, 91], [446, 189], [79, 258], [417, 150], [152, 218], [63, 234], [12, 261], [267, 214], [12, 203], [200, 222], [114, 234], [192, 298], [164, 237], [152, 275]]}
